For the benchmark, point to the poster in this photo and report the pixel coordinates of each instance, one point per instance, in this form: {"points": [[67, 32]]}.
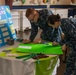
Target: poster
{"points": [[6, 25]]}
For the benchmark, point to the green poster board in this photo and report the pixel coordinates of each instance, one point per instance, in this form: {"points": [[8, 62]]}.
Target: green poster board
{"points": [[39, 48]]}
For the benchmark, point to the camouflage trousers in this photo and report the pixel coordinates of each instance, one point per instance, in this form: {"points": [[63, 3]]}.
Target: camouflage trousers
{"points": [[71, 62]]}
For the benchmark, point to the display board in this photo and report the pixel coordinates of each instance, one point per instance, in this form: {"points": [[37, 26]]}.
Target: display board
{"points": [[6, 25]]}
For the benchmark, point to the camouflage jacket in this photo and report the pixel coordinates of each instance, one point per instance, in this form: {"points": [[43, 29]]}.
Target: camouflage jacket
{"points": [[69, 29]]}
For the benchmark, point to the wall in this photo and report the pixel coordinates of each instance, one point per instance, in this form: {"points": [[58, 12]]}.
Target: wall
{"points": [[65, 2], [60, 2], [25, 23], [41, 2], [20, 20], [29, 2]]}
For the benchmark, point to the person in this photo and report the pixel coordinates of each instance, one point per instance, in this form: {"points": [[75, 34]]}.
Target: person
{"points": [[69, 28], [45, 20], [37, 19], [57, 34]]}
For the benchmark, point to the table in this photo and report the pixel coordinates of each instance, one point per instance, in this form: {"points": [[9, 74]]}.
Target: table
{"points": [[12, 66]]}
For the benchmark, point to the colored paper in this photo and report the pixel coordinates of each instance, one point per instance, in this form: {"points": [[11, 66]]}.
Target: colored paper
{"points": [[39, 48]]}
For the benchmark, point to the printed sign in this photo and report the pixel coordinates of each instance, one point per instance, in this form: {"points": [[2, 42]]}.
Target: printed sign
{"points": [[6, 25]]}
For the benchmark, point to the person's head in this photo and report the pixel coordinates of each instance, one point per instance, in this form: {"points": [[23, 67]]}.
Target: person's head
{"points": [[54, 21], [32, 14]]}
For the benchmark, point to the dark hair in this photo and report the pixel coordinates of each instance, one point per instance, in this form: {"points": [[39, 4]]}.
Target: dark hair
{"points": [[53, 18], [29, 11]]}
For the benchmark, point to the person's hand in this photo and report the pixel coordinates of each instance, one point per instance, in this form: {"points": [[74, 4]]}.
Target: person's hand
{"points": [[55, 43], [37, 41], [26, 41], [62, 35], [64, 47]]}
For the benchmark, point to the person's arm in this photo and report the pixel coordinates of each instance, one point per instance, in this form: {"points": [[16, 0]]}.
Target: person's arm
{"points": [[34, 31], [59, 38], [53, 36], [62, 35]]}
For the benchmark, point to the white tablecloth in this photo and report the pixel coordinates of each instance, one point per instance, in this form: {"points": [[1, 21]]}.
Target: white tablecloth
{"points": [[12, 66], [16, 67]]}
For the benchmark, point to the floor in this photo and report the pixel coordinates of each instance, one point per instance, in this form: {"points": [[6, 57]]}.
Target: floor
{"points": [[26, 34], [61, 69]]}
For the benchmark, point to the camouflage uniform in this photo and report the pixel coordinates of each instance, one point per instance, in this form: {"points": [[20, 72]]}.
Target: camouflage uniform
{"points": [[47, 31], [69, 29]]}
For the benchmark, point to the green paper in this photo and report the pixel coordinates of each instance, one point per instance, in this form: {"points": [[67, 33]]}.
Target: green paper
{"points": [[39, 48]]}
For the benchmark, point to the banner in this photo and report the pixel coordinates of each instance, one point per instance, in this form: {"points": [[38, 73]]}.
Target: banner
{"points": [[46, 66]]}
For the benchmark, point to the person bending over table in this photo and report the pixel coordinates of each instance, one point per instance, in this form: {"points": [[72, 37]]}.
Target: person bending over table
{"points": [[69, 28], [48, 22]]}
